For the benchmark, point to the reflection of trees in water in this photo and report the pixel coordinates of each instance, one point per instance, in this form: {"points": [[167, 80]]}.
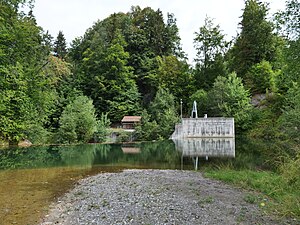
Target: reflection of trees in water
{"points": [[149, 153], [33, 157], [103, 150], [249, 154], [159, 152], [50, 156], [80, 155]]}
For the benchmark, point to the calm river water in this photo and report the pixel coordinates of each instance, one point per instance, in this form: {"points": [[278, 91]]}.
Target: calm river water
{"points": [[31, 178]]}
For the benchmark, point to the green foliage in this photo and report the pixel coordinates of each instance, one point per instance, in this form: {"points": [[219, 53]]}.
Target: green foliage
{"points": [[15, 104], [290, 72], [174, 75], [201, 97], [78, 121], [124, 136], [256, 41], [163, 111], [229, 98], [290, 118], [209, 42], [147, 130], [210, 46], [60, 46], [291, 170], [261, 77], [173, 38], [38, 135], [288, 21], [102, 129], [27, 96], [110, 82], [162, 119], [281, 196]]}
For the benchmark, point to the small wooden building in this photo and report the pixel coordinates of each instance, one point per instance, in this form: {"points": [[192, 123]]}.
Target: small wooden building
{"points": [[129, 122]]}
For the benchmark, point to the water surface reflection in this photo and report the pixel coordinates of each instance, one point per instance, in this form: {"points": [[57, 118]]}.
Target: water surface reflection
{"points": [[211, 147], [196, 148], [30, 178]]}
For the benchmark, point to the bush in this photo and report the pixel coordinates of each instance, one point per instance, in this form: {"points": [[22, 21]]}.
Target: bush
{"points": [[229, 98], [201, 97], [38, 135], [146, 130], [163, 112], [261, 77], [78, 121], [102, 129], [291, 170]]}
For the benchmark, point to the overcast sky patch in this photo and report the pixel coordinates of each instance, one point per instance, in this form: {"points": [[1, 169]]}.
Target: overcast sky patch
{"points": [[74, 17]]}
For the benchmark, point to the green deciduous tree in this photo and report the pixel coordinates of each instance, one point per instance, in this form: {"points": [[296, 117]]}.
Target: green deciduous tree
{"points": [[228, 97], [176, 76], [201, 97], [262, 77], [147, 130], [110, 82], [211, 46], [78, 121], [290, 118], [289, 24], [149, 38], [23, 54], [15, 104], [288, 20], [102, 128], [163, 111]]}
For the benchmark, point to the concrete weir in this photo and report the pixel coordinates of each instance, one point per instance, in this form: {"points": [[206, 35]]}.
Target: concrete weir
{"points": [[214, 127]]}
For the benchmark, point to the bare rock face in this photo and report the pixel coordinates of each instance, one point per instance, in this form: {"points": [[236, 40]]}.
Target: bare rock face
{"points": [[258, 100], [24, 143]]}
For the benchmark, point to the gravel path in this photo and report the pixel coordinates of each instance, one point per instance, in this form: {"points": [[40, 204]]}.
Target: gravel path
{"points": [[154, 197]]}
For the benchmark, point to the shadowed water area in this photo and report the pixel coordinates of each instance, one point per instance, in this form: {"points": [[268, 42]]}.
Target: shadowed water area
{"points": [[31, 178]]}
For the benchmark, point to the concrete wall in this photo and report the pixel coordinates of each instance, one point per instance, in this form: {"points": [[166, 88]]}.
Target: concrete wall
{"points": [[204, 127]]}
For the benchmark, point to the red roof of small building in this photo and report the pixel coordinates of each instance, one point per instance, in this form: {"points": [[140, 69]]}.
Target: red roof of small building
{"points": [[131, 119]]}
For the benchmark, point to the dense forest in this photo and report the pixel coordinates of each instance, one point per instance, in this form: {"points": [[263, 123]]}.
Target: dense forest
{"points": [[133, 64]]}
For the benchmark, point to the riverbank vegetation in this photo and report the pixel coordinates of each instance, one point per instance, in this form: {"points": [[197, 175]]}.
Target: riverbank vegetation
{"points": [[133, 64], [279, 193]]}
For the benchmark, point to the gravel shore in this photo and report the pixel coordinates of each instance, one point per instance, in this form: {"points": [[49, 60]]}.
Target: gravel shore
{"points": [[154, 197]]}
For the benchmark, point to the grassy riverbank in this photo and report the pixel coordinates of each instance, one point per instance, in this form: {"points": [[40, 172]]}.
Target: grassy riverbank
{"points": [[278, 194]]}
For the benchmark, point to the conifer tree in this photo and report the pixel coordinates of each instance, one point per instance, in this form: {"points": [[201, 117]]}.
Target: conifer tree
{"points": [[60, 46], [256, 41]]}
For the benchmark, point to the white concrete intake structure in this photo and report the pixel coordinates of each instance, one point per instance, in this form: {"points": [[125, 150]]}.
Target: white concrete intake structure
{"points": [[218, 127]]}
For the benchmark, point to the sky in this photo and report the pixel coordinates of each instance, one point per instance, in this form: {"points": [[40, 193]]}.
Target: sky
{"points": [[74, 17]]}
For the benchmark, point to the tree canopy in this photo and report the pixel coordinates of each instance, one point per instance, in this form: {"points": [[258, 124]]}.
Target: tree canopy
{"points": [[132, 63]]}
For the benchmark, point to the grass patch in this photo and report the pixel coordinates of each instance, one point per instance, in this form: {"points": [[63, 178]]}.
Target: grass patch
{"points": [[284, 198], [206, 200]]}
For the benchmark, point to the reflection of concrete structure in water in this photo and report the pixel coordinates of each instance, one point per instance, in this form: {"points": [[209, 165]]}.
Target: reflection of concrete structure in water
{"points": [[202, 147], [130, 150], [204, 137], [205, 147]]}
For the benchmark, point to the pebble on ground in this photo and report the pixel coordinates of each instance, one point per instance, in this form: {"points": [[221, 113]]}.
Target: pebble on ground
{"points": [[154, 197]]}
